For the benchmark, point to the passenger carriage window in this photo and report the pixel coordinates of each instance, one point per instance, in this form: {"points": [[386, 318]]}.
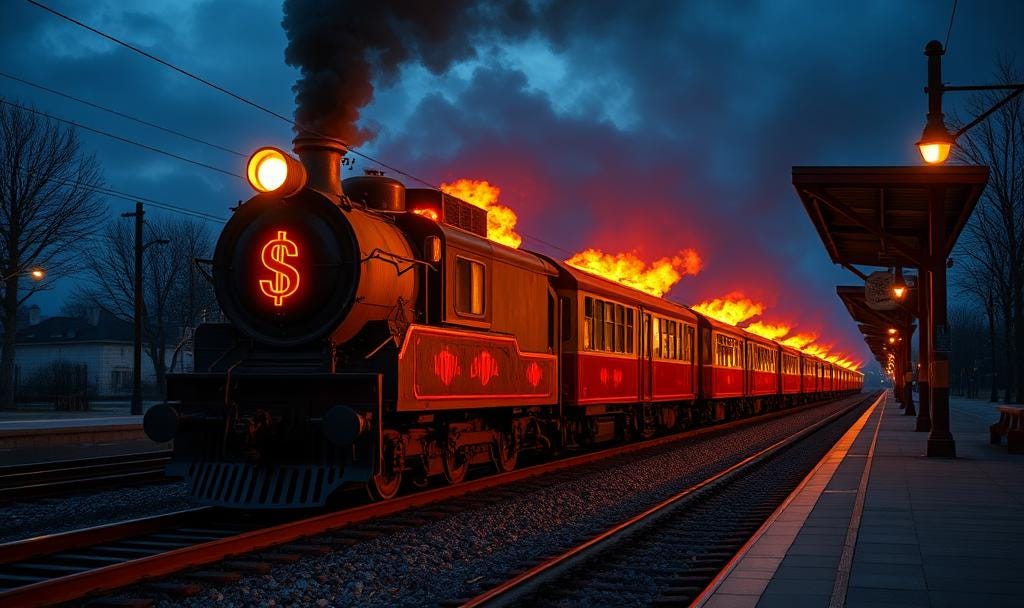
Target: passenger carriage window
{"points": [[688, 344], [588, 323], [609, 326], [629, 331], [598, 343], [620, 328], [469, 287], [656, 336]]}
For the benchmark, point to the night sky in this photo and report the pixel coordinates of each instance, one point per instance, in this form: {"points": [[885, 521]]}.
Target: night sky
{"points": [[629, 126]]}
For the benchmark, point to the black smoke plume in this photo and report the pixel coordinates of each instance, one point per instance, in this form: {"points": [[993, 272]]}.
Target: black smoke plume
{"points": [[344, 47]]}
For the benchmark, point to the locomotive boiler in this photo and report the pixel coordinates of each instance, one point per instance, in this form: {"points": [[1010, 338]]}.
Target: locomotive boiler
{"points": [[375, 336]]}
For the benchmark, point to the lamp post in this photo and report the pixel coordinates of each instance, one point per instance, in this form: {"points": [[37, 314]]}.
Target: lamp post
{"points": [[936, 140], [136, 404]]}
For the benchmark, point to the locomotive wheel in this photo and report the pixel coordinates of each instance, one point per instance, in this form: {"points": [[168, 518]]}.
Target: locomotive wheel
{"points": [[505, 453], [456, 465], [384, 484]]}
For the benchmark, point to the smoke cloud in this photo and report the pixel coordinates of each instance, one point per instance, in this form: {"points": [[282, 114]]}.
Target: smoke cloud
{"points": [[343, 47]]}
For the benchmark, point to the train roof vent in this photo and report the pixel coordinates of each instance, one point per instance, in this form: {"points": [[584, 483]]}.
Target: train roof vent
{"points": [[461, 214]]}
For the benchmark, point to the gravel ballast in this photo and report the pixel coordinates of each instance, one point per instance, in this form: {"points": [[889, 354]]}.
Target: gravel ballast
{"points": [[52, 515]]}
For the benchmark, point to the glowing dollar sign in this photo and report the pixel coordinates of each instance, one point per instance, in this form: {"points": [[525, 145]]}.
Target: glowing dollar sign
{"points": [[286, 277]]}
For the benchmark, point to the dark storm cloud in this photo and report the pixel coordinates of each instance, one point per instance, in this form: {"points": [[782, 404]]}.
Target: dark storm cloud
{"points": [[343, 49]]}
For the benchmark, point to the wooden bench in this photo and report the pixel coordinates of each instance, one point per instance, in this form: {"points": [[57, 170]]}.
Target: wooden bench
{"points": [[1011, 424]]}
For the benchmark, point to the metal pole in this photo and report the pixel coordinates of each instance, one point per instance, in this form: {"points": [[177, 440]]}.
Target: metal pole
{"points": [[908, 368], [924, 324], [934, 51], [137, 355], [940, 440]]}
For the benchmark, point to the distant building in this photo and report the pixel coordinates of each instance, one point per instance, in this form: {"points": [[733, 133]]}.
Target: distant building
{"points": [[99, 340]]}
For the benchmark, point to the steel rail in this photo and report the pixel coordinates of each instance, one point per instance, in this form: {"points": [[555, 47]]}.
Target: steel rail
{"points": [[39, 479], [522, 584], [111, 577]]}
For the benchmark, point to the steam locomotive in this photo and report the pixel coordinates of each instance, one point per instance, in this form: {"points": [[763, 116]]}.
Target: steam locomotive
{"points": [[376, 336]]}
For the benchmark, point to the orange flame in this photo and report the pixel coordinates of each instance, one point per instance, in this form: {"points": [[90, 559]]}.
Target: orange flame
{"points": [[429, 213], [798, 341], [767, 330], [731, 308], [501, 221], [628, 269]]}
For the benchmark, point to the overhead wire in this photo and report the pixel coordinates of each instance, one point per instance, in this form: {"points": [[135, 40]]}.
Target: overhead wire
{"points": [[121, 139], [250, 103], [121, 114], [952, 16], [134, 198]]}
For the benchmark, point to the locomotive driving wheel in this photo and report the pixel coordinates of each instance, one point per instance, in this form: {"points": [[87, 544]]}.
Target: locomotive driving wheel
{"points": [[456, 465], [384, 484], [505, 452]]}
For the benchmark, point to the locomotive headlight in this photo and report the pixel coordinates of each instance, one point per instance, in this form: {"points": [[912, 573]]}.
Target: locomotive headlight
{"points": [[271, 170]]}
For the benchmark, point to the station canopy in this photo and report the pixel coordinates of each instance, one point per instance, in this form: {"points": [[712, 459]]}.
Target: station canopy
{"points": [[878, 216]]}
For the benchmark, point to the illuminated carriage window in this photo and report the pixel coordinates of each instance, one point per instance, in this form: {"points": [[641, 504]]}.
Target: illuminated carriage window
{"points": [[469, 287], [790, 364], [607, 326], [763, 359], [688, 335], [727, 351]]}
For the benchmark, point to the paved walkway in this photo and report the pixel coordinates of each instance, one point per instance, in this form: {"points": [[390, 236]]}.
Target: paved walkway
{"points": [[878, 524]]}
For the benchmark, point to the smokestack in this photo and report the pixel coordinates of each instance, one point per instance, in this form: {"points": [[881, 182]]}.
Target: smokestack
{"points": [[321, 156]]}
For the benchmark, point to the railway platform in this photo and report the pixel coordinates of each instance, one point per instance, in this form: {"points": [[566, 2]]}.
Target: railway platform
{"points": [[879, 524], [43, 436]]}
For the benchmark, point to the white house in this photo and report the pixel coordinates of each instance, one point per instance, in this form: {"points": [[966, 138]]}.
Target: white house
{"points": [[100, 341]]}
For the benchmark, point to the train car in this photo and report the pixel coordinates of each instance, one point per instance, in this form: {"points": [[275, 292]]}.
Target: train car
{"points": [[789, 371], [762, 369], [810, 367], [722, 361], [625, 354]]}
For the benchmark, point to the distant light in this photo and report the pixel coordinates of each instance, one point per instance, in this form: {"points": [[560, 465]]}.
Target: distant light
{"points": [[892, 330], [37, 274]]}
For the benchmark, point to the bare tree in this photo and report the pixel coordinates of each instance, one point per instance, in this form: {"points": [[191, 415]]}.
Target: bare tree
{"points": [[176, 296], [996, 232], [49, 206]]}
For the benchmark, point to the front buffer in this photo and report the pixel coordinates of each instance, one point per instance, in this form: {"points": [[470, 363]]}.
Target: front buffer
{"points": [[269, 439]]}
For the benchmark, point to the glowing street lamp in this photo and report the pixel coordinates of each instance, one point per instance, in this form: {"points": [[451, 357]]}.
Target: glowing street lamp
{"points": [[36, 273], [899, 286], [936, 141]]}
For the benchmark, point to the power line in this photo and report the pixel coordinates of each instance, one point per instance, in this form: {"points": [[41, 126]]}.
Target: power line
{"points": [[122, 114], [121, 139], [158, 60], [132, 198], [950, 28]]}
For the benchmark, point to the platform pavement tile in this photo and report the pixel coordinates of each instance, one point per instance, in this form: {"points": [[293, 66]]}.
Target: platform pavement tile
{"points": [[870, 536], [942, 549], [793, 600], [743, 586], [764, 564], [973, 584], [949, 599], [888, 558], [981, 568], [721, 600], [805, 573], [779, 586], [862, 597], [811, 561], [884, 576]]}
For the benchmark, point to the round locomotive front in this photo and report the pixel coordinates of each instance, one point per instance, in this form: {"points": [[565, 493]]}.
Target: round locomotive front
{"points": [[286, 271]]}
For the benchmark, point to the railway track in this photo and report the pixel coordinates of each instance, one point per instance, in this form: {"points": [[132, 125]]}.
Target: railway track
{"points": [[43, 479], [69, 566], [667, 555]]}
